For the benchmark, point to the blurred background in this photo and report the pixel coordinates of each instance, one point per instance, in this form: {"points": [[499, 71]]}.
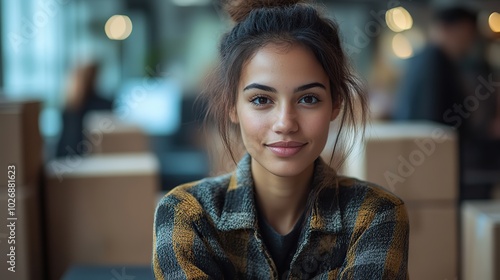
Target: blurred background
{"points": [[98, 119]]}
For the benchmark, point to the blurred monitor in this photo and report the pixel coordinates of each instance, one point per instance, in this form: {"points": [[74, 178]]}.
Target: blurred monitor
{"points": [[152, 103]]}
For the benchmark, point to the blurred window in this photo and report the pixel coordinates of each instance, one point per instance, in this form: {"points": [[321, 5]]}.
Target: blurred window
{"points": [[32, 51]]}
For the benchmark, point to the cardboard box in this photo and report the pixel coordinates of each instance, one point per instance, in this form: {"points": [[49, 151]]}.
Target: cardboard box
{"points": [[433, 252], [24, 234], [21, 143], [100, 210], [481, 240], [108, 134], [417, 160]]}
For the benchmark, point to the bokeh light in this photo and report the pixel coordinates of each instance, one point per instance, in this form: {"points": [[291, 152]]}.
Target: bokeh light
{"points": [[401, 46], [118, 27], [494, 22], [398, 19]]}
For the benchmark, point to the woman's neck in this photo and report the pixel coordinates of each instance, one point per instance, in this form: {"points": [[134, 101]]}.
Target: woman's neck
{"points": [[281, 200]]}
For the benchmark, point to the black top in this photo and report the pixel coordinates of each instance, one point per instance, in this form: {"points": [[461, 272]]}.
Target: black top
{"points": [[281, 247]]}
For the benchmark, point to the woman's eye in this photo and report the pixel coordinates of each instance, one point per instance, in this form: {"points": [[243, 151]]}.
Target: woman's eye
{"points": [[309, 99], [261, 100]]}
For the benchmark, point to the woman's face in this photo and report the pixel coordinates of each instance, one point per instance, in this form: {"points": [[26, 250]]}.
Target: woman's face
{"points": [[284, 109]]}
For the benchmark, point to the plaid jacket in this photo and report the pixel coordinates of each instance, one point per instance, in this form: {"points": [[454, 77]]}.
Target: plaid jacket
{"points": [[208, 230]]}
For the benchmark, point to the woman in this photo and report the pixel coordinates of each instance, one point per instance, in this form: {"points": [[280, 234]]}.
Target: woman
{"points": [[284, 213]]}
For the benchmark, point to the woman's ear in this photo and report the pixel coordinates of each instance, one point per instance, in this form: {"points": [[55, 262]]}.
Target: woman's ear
{"points": [[233, 116], [335, 111]]}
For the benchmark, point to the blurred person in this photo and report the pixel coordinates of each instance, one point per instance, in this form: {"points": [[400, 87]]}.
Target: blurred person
{"points": [[82, 97], [283, 213], [440, 85]]}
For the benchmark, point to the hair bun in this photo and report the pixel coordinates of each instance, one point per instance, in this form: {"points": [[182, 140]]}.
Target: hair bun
{"points": [[239, 9]]}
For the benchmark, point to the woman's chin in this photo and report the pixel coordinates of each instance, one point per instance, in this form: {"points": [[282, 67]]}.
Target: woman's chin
{"points": [[287, 168]]}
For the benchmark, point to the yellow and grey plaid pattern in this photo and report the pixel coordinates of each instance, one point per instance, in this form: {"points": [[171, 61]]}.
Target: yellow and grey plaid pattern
{"points": [[208, 230]]}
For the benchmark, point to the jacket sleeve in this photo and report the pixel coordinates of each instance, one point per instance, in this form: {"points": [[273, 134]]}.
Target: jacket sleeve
{"points": [[178, 248], [379, 245]]}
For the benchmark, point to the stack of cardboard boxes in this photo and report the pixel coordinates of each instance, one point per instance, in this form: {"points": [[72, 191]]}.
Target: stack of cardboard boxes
{"points": [[21, 153], [100, 212]]}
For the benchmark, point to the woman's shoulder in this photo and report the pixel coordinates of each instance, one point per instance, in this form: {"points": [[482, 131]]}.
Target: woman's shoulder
{"points": [[364, 191], [196, 198], [362, 202]]}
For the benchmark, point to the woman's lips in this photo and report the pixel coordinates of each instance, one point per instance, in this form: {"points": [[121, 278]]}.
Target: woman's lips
{"points": [[285, 148]]}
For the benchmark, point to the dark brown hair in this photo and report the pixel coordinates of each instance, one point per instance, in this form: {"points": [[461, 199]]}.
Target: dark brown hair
{"points": [[259, 23]]}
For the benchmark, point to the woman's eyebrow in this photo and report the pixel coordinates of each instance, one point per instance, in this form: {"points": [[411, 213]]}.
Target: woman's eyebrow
{"points": [[308, 86], [261, 87], [271, 89]]}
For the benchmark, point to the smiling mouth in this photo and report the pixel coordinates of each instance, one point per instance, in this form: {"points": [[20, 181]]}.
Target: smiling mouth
{"points": [[285, 149]]}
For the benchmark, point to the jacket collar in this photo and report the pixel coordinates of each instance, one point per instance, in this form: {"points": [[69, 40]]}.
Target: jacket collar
{"points": [[326, 215], [239, 210]]}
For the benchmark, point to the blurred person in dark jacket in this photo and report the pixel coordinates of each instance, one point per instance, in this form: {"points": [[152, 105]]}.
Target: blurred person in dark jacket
{"points": [[82, 97], [443, 84]]}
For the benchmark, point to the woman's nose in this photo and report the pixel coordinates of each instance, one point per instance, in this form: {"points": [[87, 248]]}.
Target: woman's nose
{"points": [[285, 120]]}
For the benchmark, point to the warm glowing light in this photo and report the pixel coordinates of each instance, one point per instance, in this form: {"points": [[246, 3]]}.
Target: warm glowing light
{"points": [[494, 22], [118, 27], [398, 19], [401, 46]]}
